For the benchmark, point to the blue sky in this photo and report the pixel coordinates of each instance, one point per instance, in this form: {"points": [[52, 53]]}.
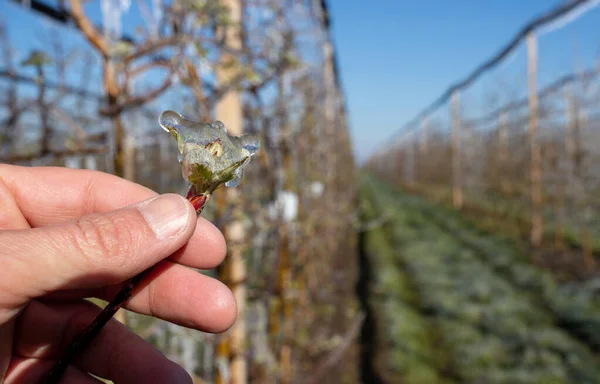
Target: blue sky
{"points": [[396, 56]]}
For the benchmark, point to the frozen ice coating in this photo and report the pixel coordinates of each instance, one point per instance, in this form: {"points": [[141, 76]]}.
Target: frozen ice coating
{"points": [[209, 156]]}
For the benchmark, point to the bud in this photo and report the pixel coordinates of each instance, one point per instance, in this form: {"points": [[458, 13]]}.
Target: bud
{"points": [[208, 156]]}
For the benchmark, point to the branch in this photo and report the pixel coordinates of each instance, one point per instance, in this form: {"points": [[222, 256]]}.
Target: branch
{"points": [[86, 27], [279, 67], [58, 14], [338, 352], [82, 340], [197, 89], [49, 84], [81, 133], [16, 111], [157, 63], [154, 46], [373, 224], [56, 153], [137, 100]]}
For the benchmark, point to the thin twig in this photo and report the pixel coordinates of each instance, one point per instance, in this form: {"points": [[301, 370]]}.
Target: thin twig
{"points": [[338, 352], [84, 339], [87, 28], [137, 101], [56, 153]]}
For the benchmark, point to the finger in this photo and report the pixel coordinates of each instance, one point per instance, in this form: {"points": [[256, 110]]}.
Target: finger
{"points": [[173, 293], [206, 248], [116, 353], [53, 195], [185, 297], [10, 215], [10, 218], [26, 371], [93, 251]]}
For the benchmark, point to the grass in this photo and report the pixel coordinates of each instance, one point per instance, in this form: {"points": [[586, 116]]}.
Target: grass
{"points": [[469, 305]]}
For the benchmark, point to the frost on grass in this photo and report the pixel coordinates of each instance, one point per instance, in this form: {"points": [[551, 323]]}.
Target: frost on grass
{"points": [[209, 156]]}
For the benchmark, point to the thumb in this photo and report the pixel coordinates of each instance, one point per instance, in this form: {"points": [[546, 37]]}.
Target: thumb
{"points": [[92, 251]]}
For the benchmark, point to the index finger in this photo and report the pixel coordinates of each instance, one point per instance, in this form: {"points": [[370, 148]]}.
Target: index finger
{"points": [[53, 195]]}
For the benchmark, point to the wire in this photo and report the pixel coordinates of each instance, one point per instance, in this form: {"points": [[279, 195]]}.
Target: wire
{"points": [[547, 18]]}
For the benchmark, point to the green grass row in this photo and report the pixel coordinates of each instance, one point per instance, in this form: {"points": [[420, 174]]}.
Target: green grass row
{"points": [[407, 349], [477, 302], [575, 306]]}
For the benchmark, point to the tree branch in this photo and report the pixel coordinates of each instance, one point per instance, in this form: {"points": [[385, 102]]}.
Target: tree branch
{"points": [[153, 46], [157, 63], [197, 88], [338, 352], [137, 100], [86, 27], [9, 74], [56, 153]]}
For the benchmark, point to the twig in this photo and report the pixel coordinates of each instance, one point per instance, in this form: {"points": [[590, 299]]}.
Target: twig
{"points": [[375, 223], [338, 352], [12, 75], [56, 153], [156, 63], [81, 133], [137, 101], [153, 46], [87, 28], [83, 339]]}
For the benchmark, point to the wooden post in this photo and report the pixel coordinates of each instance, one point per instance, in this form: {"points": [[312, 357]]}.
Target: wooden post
{"points": [[535, 150], [330, 106], [503, 152], [424, 135], [410, 160], [129, 158], [229, 111], [423, 148], [578, 171], [457, 190], [565, 187], [503, 138]]}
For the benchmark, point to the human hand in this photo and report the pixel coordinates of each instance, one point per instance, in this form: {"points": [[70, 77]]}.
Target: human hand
{"points": [[69, 234]]}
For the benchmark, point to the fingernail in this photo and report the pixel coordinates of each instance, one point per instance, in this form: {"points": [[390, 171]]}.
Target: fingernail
{"points": [[167, 215]]}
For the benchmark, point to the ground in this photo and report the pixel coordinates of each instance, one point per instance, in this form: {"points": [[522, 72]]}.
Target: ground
{"points": [[449, 302]]}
